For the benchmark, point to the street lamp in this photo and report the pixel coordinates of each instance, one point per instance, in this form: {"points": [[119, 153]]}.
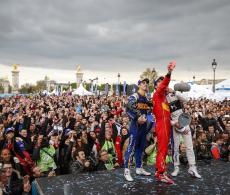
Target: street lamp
{"points": [[214, 65], [118, 83], [118, 76]]}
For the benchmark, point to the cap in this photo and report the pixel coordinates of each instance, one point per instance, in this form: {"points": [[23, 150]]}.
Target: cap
{"points": [[8, 130], [142, 80], [67, 131], [158, 79]]}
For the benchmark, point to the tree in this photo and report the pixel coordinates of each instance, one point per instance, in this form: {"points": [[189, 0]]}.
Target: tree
{"points": [[149, 74], [73, 85], [10, 89], [27, 88], [41, 85], [1, 89]]}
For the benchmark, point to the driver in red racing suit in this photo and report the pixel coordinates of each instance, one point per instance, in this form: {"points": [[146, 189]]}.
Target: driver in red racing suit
{"points": [[162, 114]]}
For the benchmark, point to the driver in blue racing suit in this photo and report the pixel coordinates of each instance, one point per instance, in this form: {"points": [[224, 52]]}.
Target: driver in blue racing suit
{"points": [[137, 109]]}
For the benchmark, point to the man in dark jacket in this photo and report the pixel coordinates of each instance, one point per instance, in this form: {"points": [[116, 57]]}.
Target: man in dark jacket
{"points": [[80, 163]]}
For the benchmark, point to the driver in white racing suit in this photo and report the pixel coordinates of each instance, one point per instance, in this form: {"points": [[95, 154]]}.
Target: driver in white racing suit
{"points": [[175, 100]]}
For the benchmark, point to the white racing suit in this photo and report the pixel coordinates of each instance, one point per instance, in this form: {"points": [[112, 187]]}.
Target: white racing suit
{"points": [[175, 101]]}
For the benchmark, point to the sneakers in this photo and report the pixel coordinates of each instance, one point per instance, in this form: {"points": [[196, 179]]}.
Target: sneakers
{"points": [[176, 171], [127, 175], [164, 178], [141, 171], [193, 171]]}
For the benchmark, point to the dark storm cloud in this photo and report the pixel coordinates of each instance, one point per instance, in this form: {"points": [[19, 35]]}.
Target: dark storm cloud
{"points": [[108, 35]]}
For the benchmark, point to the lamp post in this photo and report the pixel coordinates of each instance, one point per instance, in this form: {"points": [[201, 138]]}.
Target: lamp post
{"points": [[118, 83], [214, 65], [118, 76], [194, 78]]}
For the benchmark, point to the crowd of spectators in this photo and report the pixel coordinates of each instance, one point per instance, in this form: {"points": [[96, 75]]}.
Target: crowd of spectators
{"points": [[45, 136]]}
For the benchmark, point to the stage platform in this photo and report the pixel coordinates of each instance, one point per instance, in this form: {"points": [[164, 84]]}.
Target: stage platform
{"points": [[216, 180]]}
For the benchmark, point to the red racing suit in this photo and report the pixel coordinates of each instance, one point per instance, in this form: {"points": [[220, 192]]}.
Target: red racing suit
{"points": [[162, 114]]}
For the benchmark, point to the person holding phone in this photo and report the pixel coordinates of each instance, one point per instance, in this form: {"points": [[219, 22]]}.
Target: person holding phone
{"points": [[162, 113]]}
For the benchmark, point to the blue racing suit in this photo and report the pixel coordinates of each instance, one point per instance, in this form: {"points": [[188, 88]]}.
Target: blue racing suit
{"points": [[137, 105]]}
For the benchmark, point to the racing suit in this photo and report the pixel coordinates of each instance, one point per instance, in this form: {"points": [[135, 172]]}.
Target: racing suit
{"points": [[137, 105], [175, 101], [162, 113]]}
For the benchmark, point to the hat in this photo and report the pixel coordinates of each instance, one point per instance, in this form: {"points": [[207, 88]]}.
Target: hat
{"points": [[158, 79], [67, 131], [142, 80], [8, 130]]}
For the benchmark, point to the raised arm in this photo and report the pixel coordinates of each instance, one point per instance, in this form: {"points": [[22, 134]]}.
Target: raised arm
{"points": [[164, 84]]}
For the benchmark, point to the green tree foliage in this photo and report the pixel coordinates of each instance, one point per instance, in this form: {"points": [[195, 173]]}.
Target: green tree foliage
{"points": [[40, 85], [150, 74], [1, 89], [28, 88]]}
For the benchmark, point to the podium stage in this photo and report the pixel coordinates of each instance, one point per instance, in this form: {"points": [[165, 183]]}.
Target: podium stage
{"points": [[216, 180]]}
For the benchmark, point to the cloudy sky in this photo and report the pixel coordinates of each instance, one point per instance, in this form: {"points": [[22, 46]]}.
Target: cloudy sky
{"points": [[50, 37]]}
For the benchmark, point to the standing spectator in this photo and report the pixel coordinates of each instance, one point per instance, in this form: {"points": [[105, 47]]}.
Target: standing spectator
{"points": [[44, 155], [216, 147], [203, 148]]}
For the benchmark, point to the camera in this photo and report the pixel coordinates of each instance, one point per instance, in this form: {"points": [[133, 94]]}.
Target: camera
{"points": [[58, 129]]}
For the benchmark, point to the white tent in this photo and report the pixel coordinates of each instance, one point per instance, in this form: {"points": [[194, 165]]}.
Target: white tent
{"points": [[223, 89], [81, 91], [200, 91], [54, 92], [45, 92], [224, 85]]}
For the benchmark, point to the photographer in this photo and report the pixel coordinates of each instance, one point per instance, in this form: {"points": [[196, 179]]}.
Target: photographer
{"points": [[209, 121], [68, 139], [80, 163]]}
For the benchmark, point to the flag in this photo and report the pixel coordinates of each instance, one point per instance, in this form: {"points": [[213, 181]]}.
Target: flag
{"points": [[91, 88], [106, 88], [117, 90], [124, 88], [96, 89], [58, 90]]}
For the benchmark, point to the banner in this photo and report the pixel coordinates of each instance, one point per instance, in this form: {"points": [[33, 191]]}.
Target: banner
{"points": [[117, 90], [91, 87], [96, 89], [106, 88], [124, 88], [58, 90]]}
